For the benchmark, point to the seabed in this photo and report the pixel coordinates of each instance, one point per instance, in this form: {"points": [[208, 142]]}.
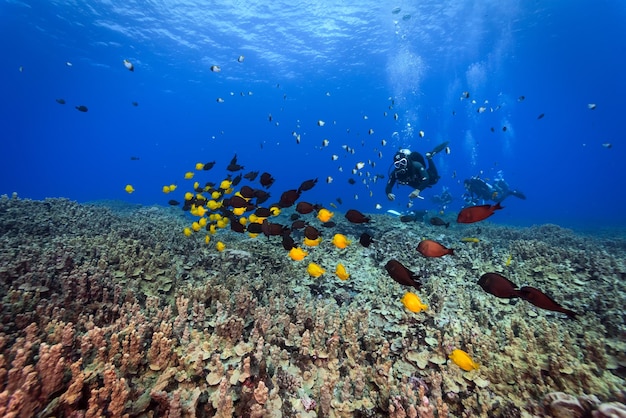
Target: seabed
{"points": [[111, 311]]}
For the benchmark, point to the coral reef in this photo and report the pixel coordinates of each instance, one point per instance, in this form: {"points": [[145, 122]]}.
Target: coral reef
{"points": [[111, 311]]}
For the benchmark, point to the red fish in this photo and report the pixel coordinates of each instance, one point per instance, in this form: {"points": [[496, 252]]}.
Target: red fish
{"points": [[498, 285], [402, 275], [430, 248], [477, 213], [356, 217], [543, 301]]}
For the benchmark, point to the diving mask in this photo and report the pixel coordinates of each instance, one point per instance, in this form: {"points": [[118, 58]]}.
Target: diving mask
{"points": [[401, 163]]}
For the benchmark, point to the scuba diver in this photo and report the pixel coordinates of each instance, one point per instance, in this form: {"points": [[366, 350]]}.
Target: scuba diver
{"points": [[478, 189], [410, 169]]}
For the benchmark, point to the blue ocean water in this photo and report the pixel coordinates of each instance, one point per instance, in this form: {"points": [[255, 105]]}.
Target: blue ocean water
{"points": [[353, 66]]}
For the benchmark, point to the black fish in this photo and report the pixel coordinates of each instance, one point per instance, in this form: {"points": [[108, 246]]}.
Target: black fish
{"points": [[304, 208], [254, 228], [439, 222], [173, 202], [311, 232], [408, 218], [351, 180], [541, 116], [402, 275], [329, 224], [269, 228], [263, 212], [251, 175], [288, 198], [288, 242], [60, 101], [236, 180], [366, 239], [261, 196], [208, 166], [82, 108], [307, 185], [133, 158], [266, 180], [356, 217], [247, 192], [135, 104], [298, 224]]}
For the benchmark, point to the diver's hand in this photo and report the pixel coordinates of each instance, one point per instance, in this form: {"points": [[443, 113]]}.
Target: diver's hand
{"points": [[391, 196], [415, 193]]}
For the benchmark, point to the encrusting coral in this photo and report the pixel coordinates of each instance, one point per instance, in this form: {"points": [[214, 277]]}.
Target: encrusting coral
{"points": [[109, 313]]}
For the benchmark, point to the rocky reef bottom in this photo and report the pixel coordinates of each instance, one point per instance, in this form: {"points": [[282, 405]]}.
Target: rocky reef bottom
{"points": [[112, 311]]}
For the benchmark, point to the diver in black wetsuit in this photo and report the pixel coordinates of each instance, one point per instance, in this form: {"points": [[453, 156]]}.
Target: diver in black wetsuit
{"points": [[478, 189], [410, 169]]}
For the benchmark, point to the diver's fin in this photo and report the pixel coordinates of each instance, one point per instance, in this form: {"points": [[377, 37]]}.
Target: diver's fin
{"points": [[437, 149], [518, 194]]}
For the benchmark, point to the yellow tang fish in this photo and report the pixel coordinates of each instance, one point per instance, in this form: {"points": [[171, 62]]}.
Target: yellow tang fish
{"points": [[166, 189], [341, 241], [470, 239], [297, 253], [413, 303], [129, 189], [341, 272], [508, 260], [189, 175], [463, 360], [315, 270], [219, 246], [312, 242], [187, 231], [324, 215]]}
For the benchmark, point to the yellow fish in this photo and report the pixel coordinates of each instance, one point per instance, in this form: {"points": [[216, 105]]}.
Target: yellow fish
{"points": [[207, 239], [508, 260], [187, 231], [341, 241], [172, 187], [297, 253], [463, 360], [312, 242], [413, 303], [225, 184], [189, 175], [340, 271], [196, 226], [129, 189], [166, 189], [188, 196], [324, 215], [199, 166], [315, 270], [239, 211], [470, 239], [275, 210], [219, 246]]}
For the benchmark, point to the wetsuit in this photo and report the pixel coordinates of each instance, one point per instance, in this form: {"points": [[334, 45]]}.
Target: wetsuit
{"points": [[415, 174]]}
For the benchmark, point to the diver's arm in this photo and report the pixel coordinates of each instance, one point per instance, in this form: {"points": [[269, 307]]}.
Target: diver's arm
{"points": [[390, 183]]}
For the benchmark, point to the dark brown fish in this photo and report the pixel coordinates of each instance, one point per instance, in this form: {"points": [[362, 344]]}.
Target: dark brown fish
{"points": [[329, 224], [541, 116], [307, 185], [236, 226], [236, 180], [173, 202], [543, 301], [304, 208], [254, 228], [498, 285], [477, 213], [366, 239], [266, 180], [233, 166], [288, 198], [356, 217], [270, 228], [247, 192], [430, 248], [311, 232], [299, 224], [208, 166], [263, 213], [261, 196], [82, 108], [402, 275], [287, 242], [439, 222], [251, 175]]}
